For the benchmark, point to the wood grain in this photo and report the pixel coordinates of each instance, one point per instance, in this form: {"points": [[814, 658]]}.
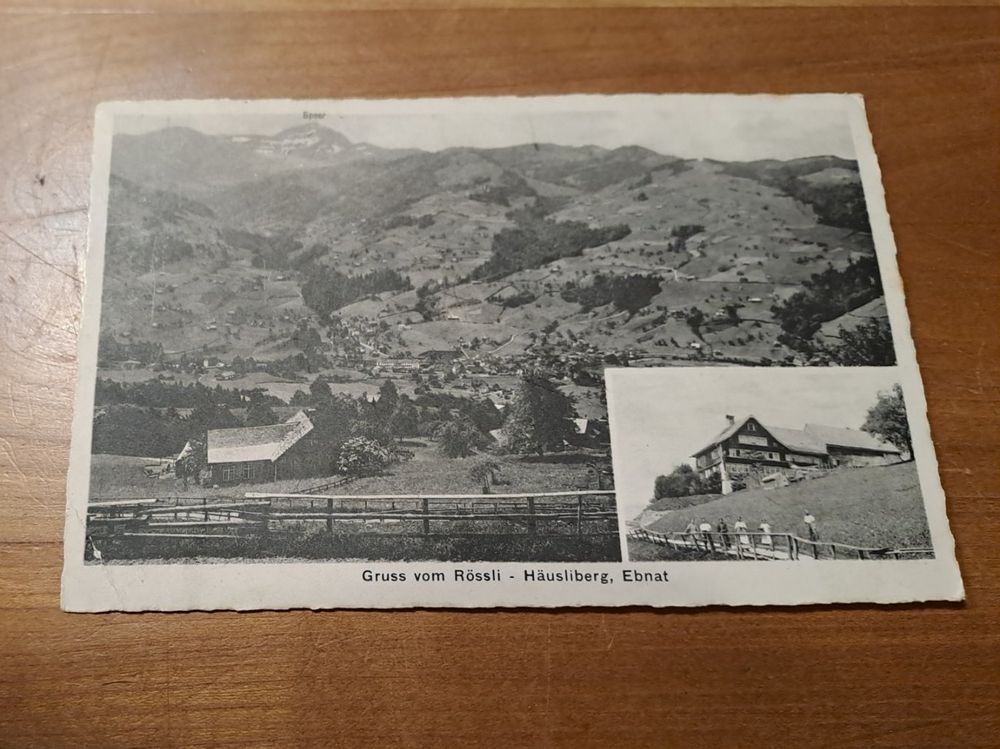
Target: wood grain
{"points": [[917, 676]]}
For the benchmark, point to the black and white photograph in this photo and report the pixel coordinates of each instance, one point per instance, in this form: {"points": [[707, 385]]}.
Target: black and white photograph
{"points": [[378, 332], [742, 465], [380, 307]]}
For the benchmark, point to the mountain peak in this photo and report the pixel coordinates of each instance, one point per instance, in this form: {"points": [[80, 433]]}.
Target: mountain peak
{"points": [[319, 134]]}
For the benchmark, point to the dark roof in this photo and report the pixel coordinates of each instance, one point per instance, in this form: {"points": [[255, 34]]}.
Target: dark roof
{"points": [[814, 438]]}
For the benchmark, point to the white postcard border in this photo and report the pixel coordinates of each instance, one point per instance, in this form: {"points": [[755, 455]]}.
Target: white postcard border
{"points": [[336, 584]]}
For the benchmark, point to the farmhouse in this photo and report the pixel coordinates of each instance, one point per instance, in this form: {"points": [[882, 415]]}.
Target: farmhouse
{"points": [[749, 453], [263, 453]]}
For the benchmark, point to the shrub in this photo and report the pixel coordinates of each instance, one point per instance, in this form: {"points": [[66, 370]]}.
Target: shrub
{"points": [[361, 456]]}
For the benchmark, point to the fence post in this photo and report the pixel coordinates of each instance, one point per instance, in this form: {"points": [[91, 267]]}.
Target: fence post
{"points": [[329, 516], [739, 548], [531, 520], [426, 509], [753, 546], [579, 514], [265, 528], [793, 547], [204, 504]]}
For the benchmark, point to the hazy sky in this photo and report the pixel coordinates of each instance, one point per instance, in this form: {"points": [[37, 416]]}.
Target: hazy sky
{"points": [[660, 416], [721, 127]]}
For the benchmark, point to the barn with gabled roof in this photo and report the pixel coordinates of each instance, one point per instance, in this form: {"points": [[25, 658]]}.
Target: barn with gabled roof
{"points": [[262, 453]]}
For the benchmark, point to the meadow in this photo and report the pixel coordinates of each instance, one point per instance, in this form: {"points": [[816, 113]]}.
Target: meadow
{"points": [[484, 538], [877, 507]]}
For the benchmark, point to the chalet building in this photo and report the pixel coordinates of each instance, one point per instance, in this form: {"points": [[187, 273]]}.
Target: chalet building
{"points": [[263, 453], [749, 452]]}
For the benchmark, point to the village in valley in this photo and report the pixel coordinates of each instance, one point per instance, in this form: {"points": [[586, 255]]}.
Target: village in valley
{"points": [[297, 311]]}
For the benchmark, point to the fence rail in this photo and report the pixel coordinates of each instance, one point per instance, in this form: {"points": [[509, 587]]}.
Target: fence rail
{"points": [[754, 545], [580, 513]]}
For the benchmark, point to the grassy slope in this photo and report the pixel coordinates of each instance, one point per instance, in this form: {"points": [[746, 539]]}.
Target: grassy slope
{"points": [[880, 506], [427, 472]]}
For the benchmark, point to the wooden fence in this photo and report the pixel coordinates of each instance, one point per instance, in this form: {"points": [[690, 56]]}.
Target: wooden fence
{"points": [[579, 513], [772, 546]]}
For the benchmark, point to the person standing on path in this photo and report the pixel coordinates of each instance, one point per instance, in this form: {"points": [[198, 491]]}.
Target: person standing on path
{"points": [[765, 528], [724, 530], [810, 522], [690, 531], [740, 527], [706, 533]]}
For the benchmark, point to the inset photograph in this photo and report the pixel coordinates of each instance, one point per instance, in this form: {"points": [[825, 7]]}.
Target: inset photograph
{"points": [[727, 464]]}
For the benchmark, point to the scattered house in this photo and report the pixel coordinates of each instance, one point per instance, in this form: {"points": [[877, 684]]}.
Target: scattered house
{"points": [[263, 453], [131, 364], [592, 432], [750, 452]]}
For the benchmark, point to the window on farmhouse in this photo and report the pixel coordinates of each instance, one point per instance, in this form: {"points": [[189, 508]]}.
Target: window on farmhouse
{"points": [[246, 470], [751, 427], [229, 473]]}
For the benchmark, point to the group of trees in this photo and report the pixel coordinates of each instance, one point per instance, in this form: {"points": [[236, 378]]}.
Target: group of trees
{"points": [[126, 245], [826, 296], [272, 252], [683, 481], [534, 243], [421, 222], [327, 289], [129, 429], [627, 293], [869, 344], [355, 435], [166, 394], [110, 350]]}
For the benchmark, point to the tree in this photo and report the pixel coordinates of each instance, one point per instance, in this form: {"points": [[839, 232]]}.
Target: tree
{"points": [[405, 420], [869, 344], [680, 482], [460, 438], [361, 456], [319, 392], [887, 420], [484, 473], [540, 418], [210, 416], [388, 399], [260, 414], [695, 318], [194, 462]]}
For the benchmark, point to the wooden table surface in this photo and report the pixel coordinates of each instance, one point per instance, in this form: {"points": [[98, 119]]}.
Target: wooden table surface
{"points": [[857, 676]]}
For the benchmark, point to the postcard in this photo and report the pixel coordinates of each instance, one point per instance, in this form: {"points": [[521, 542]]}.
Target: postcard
{"points": [[487, 352]]}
